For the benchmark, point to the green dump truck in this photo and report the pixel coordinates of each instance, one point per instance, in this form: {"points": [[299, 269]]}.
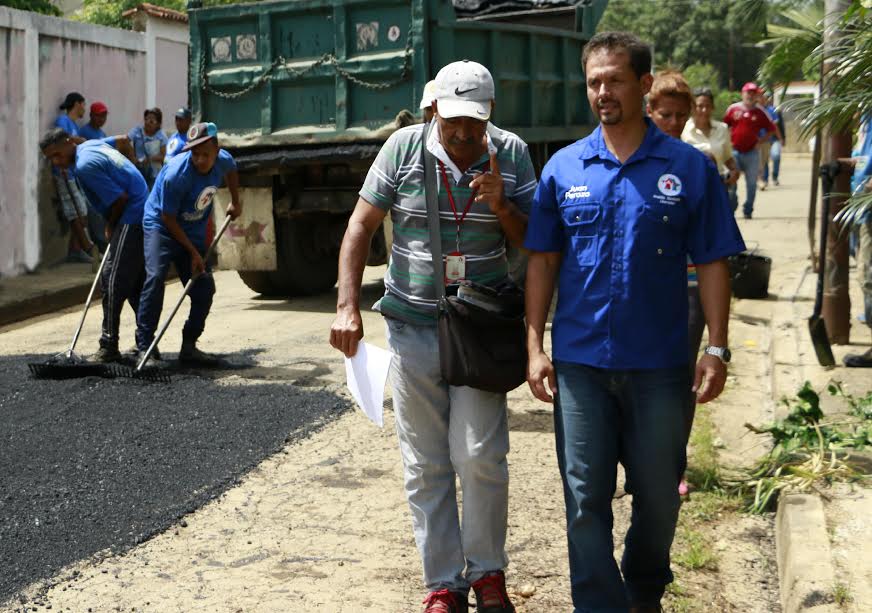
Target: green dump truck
{"points": [[305, 92]]}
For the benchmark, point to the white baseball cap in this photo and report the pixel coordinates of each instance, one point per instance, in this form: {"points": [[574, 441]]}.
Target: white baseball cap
{"points": [[464, 89], [428, 96]]}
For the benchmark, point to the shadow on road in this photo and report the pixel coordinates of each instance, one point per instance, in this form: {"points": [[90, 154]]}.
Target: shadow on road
{"points": [[90, 464]]}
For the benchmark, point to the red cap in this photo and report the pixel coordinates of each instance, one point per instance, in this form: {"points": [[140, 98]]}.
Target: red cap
{"points": [[98, 108], [750, 87]]}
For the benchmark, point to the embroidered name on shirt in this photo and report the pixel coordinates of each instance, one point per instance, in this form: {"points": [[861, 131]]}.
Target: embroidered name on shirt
{"points": [[577, 191]]}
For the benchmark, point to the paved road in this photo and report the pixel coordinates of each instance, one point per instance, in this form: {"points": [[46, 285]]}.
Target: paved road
{"points": [[91, 464]]}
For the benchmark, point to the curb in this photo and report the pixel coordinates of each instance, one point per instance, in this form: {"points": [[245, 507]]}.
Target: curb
{"points": [[805, 564], [33, 306]]}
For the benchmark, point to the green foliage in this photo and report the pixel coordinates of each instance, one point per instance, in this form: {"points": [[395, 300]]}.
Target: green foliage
{"points": [[809, 451], [792, 47], [686, 32], [695, 551], [703, 75], [37, 6], [804, 426], [108, 12], [702, 467], [723, 100]]}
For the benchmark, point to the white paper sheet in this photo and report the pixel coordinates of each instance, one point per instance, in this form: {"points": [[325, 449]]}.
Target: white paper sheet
{"points": [[367, 373]]}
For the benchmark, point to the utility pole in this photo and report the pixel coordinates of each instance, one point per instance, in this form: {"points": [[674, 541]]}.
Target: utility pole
{"points": [[836, 301]]}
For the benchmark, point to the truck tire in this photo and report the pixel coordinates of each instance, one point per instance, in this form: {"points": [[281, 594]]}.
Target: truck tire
{"points": [[307, 259], [259, 281]]}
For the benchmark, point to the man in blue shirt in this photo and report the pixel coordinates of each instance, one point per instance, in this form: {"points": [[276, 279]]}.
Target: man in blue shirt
{"points": [[118, 192], [176, 215], [614, 217], [178, 140], [861, 183], [74, 205], [94, 128]]}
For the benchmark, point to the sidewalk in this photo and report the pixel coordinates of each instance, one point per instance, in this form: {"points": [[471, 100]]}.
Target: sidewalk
{"points": [[821, 547], [44, 291]]}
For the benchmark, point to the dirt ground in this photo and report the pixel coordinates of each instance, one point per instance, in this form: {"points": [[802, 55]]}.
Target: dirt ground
{"points": [[323, 525]]}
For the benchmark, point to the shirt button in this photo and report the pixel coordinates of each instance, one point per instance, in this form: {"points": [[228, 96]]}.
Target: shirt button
{"points": [[659, 252], [577, 217], [665, 219]]}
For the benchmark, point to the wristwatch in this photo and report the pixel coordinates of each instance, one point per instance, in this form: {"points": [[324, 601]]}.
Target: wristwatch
{"points": [[721, 352]]}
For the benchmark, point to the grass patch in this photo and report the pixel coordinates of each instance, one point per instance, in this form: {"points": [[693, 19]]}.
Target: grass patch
{"points": [[842, 595], [695, 551], [683, 605], [703, 471]]}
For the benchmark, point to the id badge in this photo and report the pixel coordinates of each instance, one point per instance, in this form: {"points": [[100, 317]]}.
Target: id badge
{"points": [[455, 267]]}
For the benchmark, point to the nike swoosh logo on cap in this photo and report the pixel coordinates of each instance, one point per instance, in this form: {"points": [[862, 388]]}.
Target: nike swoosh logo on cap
{"points": [[459, 92]]}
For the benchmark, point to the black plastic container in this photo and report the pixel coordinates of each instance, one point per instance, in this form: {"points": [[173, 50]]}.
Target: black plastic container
{"points": [[749, 273]]}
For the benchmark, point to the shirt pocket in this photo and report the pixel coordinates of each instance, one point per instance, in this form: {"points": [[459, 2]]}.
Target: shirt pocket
{"points": [[582, 227], [663, 229]]}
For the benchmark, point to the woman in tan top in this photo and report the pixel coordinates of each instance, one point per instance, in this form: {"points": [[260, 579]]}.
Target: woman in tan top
{"points": [[712, 138]]}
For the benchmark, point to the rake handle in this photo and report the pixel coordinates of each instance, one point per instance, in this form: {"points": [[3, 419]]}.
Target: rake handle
{"points": [[88, 301], [181, 299]]}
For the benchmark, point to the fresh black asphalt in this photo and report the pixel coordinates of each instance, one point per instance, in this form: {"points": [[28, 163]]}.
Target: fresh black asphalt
{"points": [[90, 464]]}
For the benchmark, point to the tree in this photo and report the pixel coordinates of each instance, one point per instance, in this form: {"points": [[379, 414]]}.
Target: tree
{"points": [[722, 33], [108, 12], [37, 6], [792, 47]]}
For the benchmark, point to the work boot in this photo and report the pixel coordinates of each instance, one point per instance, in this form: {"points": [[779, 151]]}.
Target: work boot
{"points": [[138, 353], [446, 601], [490, 594], [858, 360], [189, 354], [79, 256], [108, 353]]}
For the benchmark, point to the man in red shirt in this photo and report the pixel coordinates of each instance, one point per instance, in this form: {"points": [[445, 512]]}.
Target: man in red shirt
{"points": [[746, 120]]}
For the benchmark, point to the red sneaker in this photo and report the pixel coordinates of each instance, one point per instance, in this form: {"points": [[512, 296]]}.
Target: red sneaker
{"points": [[446, 601], [490, 594]]}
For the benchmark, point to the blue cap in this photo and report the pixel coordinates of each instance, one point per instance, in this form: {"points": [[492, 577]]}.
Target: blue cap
{"points": [[200, 133]]}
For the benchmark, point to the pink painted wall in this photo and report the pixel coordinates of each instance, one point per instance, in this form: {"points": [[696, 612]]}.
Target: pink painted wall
{"points": [[172, 79], [115, 76], [11, 161]]}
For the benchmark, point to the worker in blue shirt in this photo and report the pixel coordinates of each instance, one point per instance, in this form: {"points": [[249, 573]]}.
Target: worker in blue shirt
{"points": [[178, 140], [614, 218], [176, 215], [118, 192], [74, 205], [93, 130]]}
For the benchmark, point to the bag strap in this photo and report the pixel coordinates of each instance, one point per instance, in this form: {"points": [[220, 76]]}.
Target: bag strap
{"points": [[432, 197]]}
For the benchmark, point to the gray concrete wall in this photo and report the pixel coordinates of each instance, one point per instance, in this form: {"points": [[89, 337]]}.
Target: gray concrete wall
{"points": [[12, 243]]}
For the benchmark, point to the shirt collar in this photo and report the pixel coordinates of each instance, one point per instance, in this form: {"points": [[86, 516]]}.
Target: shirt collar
{"points": [[595, 145], [434, 146]]}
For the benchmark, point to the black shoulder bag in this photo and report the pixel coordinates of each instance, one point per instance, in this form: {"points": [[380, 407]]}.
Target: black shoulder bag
{"points": [[481, 330]]}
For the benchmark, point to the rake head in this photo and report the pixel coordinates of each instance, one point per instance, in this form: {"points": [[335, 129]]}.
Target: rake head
{"points": [[69, 368]]}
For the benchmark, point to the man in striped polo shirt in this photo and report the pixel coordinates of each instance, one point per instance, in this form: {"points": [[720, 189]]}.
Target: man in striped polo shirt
{"points": [[486, 184]]}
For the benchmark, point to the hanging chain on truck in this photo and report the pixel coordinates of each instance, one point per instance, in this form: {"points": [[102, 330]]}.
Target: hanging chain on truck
{"points": [[327, 58]]}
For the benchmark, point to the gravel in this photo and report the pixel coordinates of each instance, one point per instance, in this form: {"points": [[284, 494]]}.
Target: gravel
{"points": [[90, 464]]}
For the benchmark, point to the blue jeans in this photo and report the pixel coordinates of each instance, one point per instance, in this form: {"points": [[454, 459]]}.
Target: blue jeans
{"points": [[638, 418], [749, 164], [162, 250], [775, 156]]}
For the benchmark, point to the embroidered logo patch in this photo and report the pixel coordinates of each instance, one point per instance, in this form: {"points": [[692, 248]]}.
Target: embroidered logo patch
{"points": [[669, 185]]}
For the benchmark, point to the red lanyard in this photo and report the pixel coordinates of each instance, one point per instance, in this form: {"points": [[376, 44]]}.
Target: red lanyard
{"points": [[457, 220]]}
